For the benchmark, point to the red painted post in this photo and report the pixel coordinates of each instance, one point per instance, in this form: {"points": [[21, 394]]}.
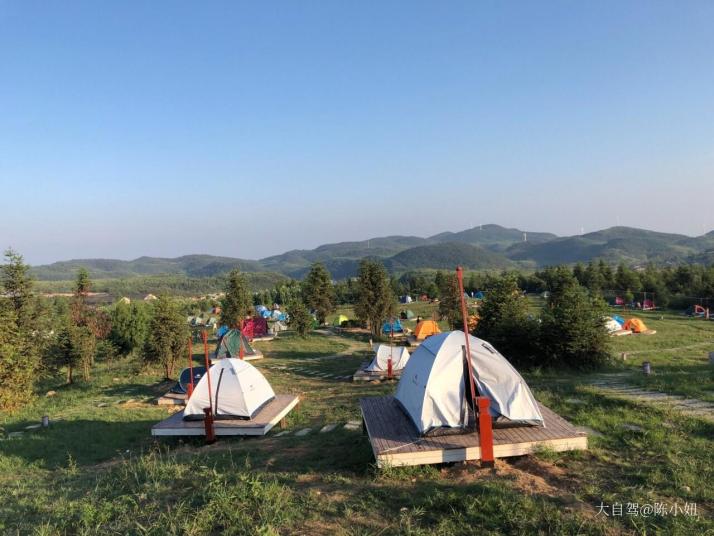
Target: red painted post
{"points": [[208, 421], [479, 403], [208, 424], [190, 368], [391, 349], [464, 313], [485, 430]]}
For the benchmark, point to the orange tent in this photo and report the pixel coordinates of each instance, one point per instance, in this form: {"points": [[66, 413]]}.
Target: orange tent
{"points": [[426, 328], [635, 325]]}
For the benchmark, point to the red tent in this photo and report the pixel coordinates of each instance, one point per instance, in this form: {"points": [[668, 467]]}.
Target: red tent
{"points": [[619, 301], [255, 327], [648, 304]]}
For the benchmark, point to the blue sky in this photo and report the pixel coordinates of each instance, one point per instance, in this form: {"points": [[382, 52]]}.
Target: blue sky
{"points": [[247, 129]]}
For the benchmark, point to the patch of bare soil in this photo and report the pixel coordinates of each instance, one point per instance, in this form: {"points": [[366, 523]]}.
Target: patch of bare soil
{"points": [[530, 475]]}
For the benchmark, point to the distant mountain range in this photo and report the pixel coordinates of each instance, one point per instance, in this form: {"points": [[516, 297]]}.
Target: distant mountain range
{"points": [[487, 247]]}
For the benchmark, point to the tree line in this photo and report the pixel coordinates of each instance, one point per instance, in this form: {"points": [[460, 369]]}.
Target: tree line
{"points": [[41, 338]]}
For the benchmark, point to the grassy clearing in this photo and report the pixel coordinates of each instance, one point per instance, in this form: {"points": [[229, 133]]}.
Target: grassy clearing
{"points": [[98, 470]]}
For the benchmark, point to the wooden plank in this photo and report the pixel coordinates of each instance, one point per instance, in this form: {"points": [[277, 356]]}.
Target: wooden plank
{"points": [[261, 424], [394, 439], [363, 375]]}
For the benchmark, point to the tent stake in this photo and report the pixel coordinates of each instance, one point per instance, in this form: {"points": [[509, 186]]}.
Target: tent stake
{"points": [[478, 403]]}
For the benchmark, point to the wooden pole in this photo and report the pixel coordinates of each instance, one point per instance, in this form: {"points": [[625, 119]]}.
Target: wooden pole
{"points": [[190, 368], [391, 349], [208, 421], [480, 404], [460, 278]]}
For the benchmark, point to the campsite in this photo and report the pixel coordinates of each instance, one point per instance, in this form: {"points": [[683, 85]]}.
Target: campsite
{"points": [[317, 473], [356, 268]]}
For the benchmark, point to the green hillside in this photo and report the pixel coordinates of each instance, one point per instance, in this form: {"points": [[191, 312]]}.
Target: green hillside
{"points": [[446, 256], [483, 247], [188, 265], [493, 237], [298, 261], [616, 244]]}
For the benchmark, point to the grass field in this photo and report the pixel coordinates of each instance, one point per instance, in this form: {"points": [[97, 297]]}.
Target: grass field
{"points": [[97, 469]]}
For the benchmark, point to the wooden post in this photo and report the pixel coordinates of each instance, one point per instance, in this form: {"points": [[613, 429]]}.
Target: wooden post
{"points": [[208, 421], [189, 390], [478, 403], [208, 424], [391, 349], [469, 366], [485, 430]]}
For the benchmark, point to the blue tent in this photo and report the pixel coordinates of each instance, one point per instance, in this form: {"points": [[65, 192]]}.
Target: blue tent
{"points": [[221, 331], [619, 319], [395, 327], [265, 313], [260, 308], [184, 380], [479, 295]]}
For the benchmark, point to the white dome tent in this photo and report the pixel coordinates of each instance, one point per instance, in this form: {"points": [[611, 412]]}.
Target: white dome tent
{"points": [[239, 391], [432, 387], [400, 356], [612, 325]]}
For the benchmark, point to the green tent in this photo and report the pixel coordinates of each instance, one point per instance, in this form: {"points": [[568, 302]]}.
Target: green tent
{"points": [[229, 345], [338, 321], [407, 315]]}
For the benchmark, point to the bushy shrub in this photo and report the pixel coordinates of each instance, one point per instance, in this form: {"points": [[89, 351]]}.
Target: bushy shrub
{"points": [[300, 318], [572, 331], [505, 322]]}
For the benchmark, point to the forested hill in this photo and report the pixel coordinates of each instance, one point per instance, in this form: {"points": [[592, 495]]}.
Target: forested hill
{"points": [[481, 248]]}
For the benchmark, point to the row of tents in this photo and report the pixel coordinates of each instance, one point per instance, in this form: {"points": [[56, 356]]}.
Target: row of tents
{"points": [[615, 324], [432, 391], [275, 314]]}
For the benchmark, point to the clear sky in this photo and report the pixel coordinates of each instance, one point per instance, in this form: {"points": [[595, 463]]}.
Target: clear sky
{"points": [[247, 129]]}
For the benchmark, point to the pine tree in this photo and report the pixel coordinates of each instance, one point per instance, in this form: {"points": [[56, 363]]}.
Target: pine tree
{"points": [[505, 322], [19, 351], [572, 330], [376, 301], [17, 285], [319, 292], [300, 319], [593, 280], [75, 346], [450, 301], [81, 335], [130, 324], [167, 335], [236, 304]]}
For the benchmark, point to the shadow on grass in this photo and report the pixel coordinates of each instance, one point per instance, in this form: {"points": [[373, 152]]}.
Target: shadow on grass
{"points": [[298, 355], [139, 390], [78, 442]]}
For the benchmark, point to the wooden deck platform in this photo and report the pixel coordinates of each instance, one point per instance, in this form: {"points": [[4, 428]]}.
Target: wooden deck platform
{"points": [[395, 440], [620, 333], [172, 399], [413, 342], [267, 418], [264, 338], [363, 375], [257, 355]]}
